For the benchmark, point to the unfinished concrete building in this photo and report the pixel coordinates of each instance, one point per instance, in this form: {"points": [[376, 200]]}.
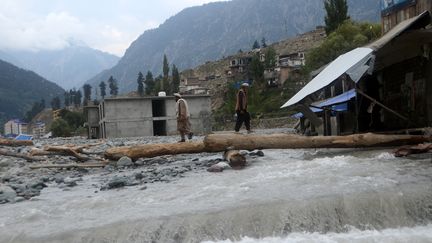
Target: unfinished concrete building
{"points": [[145, 116]]}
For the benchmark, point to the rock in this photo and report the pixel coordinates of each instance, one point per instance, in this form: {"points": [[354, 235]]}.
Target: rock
{"points": [[260, 153], [19, 199], [139, 162], [59, 179], [39, 185], [7, 194], [139, 176], [143, 188], [196, 159], [215, 168], [124, 161], [117, 182], [5, 163]]}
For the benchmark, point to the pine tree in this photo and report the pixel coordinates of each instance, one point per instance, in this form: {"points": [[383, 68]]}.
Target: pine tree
{"points": [[56, 103], [102, 87], [336, 14], [87, 93], [150, 83], [165, 70], [263, 43], [255, 45], [67, 99], [113, 86], [140, 81], [77, 97], [175, 79]]}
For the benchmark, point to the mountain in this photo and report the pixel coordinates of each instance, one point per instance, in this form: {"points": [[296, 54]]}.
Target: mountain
{"points": [[69, 67], [20, 88], [209, 32]]}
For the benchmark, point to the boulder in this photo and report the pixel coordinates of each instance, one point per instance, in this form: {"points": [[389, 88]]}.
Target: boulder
{"points": [[7, 194], [124, 161]]}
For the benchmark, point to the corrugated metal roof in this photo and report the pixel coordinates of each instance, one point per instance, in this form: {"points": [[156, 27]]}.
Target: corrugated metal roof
{"points": [[347, 62]]}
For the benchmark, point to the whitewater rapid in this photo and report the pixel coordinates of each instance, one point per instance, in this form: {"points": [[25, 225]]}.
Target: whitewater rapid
{"points": [[325, 195]]}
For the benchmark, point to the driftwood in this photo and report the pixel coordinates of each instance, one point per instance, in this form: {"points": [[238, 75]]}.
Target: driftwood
{"points": [[235, 159], [15, 143], [68, 149], [154, 150], [220, 142], [416, 149], [69, 166], [19, 155]]}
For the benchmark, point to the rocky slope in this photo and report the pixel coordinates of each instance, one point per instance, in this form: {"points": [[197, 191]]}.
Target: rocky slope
{"points": [[209, 32]]}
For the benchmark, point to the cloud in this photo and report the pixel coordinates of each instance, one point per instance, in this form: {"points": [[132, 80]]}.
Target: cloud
{"points": [[111, 27]]}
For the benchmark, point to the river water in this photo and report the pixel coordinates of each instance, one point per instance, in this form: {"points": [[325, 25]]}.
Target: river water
{"points": [[286, 196]]}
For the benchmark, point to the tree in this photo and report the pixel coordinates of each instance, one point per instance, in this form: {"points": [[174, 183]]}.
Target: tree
{"points": [[175, 79], [270, 57], [256, 68], [263, 43], [336, 14], [67, 99], [140, 81], [345, 38], [255, 45], [56, 103], [60, 128], [165, 70], [102, 87], [113, 86], [150, 83], [87, 93], [77, 97]]}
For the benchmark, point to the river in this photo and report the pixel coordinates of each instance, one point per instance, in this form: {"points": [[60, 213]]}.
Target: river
{"points": [[326, 195]]}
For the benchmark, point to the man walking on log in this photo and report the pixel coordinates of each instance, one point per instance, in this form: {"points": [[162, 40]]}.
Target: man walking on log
{"points": [[241, 109], [182, 114]]}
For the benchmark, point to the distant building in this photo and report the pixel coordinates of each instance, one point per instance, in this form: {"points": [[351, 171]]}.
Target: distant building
{"points": [[145, 116], [38, 129], [395, 11], [15, 127]]}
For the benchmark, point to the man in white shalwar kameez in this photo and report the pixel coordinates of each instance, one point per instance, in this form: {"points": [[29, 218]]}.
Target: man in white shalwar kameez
{"points": [[182, 114]]}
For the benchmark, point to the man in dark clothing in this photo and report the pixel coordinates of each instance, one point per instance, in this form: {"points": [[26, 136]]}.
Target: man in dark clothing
{"points": [[241, 109]]}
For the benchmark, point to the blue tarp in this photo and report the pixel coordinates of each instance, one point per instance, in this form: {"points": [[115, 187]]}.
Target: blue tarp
{"points": [[338, 99], [23, 137], [337, 103]]}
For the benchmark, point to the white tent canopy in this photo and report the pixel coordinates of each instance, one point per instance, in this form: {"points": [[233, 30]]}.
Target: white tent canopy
{"points": [[352, 63]]}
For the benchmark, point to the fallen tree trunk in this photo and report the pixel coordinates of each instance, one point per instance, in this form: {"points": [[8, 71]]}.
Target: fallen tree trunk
{"points": [[18, 155], [153, 150], [15, 143], [67, 151], [69, 166], [220, 142]]}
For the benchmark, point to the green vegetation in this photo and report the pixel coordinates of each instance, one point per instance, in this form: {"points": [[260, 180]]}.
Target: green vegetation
{"points": [[69, 123], [102, 87], [113, 86], [336, 14], [345, 38], [140, 81]]}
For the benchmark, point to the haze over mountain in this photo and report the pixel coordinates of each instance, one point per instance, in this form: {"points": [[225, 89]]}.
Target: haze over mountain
{"points": [[214, 30], [20, 88], [68, 67]]}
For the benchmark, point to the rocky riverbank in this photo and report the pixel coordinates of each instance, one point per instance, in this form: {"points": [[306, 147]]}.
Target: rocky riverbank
{"points": [[19, 182]]}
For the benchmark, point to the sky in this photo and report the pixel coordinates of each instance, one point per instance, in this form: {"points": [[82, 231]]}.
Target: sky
{"points": [[106, 25]]}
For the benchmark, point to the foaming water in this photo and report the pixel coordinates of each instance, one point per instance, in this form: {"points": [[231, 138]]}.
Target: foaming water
{"points": [[317, 192], [419, 234]]}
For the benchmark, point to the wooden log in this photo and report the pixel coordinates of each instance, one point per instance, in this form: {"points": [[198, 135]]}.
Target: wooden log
{"points": [[235, 159], [69, 166], [15, 143], [416, 149], [154, 150], [19, 155], [67, 151], [219, 142]]}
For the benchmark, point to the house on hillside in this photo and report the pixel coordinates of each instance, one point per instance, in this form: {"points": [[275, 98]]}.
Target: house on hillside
{"points": [[383, 86], [287, 66], [15, 127], [38, 129], [145, 116], [240, 63]]}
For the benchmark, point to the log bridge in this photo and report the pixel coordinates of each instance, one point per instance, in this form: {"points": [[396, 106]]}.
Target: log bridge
{"points": [[221, 142]]}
